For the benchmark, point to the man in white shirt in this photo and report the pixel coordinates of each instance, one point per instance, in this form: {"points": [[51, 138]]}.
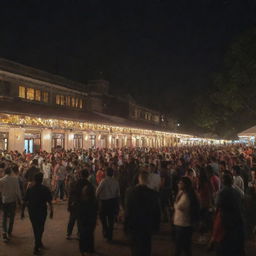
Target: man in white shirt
{"points": [[47, 171], [154, 179], [108, 192], [10, 193], [238, 182]]}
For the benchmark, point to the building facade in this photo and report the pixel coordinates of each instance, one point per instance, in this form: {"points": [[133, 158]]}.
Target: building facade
{"points": [[42, 111]]}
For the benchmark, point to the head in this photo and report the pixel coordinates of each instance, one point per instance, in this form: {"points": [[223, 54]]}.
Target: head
{"points": [[84, 174], [110, 172], [8, 171], [34, 162], [236, 170], [143, 178], [39, 178], [185, 184], [227, 179]]}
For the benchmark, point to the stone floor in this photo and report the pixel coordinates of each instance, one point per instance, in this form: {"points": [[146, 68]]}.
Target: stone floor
{"points": [[54, 239]]}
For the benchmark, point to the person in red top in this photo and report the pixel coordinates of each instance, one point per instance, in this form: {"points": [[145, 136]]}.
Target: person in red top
{"points": [[100, 175]]}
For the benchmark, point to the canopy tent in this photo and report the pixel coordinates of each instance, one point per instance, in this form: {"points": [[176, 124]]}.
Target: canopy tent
{"points": [[248, 133]]}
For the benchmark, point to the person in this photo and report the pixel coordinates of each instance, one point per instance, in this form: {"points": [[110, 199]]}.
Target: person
{"points": [[108, 192], [230, 241], [186, 214], [238, 182], [36, 199], [74, 198], [142, 216], [47, 171], [60, 174], [86, 218], [10, 193], [31, 172]]}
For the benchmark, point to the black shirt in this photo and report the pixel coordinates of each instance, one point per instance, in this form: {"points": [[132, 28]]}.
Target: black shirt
{"points": [[142, 212], [37, 197]]}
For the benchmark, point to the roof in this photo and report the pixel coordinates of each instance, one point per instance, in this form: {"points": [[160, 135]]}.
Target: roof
{"points": [[20, 107], [249, 132], [20, 69]]}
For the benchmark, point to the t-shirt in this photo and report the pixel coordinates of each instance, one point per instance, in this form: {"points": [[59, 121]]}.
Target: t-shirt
{"points": [[37, 197]]}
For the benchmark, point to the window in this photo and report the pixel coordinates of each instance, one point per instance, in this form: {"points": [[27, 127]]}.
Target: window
{"points": [[38, 95], [30, 94], [81, 103], [22, 92], [58, 99], [68, 101], [45, 97]]}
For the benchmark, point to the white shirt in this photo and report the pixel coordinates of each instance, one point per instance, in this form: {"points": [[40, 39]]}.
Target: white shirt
{"points": [[108, 189], [10, 189], [154, 181], [47, 170]]}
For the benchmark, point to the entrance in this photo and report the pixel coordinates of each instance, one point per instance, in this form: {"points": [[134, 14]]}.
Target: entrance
{"points": [[78, 141], [92, 141], [58, 140], [3, 140], [32, 142]]}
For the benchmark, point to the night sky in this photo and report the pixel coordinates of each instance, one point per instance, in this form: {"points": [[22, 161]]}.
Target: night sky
{"points": [[162, 52]]}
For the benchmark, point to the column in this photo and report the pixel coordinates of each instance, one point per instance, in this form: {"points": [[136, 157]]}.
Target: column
{"points": [[46, 140], [70, 141], [86, 140], [16, 139]]}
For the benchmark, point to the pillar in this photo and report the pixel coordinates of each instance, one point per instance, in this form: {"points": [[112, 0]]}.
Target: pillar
{"points": [[16, 139], [46, 140]]}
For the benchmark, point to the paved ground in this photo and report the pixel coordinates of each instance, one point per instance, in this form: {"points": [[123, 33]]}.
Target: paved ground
{"points": [[54, 238]]}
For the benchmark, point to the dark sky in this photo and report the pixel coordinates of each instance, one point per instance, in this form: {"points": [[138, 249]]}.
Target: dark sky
{"points": [[162, 52]]}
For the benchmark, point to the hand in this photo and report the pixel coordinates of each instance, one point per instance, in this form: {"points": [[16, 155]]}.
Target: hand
{"points": [[51, 214], [22, 216]]}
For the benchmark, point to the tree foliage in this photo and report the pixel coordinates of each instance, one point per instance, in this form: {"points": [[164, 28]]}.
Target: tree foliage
{"points": [[230, 103]]}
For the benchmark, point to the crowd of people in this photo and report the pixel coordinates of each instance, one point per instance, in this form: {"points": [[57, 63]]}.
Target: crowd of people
{"points": [[204, 192]]}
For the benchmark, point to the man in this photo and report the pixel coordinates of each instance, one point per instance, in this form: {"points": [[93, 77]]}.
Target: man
{"points": [[37, 197], [31, 172], [47, 171], [74, 197], [142, 216], [60, 174], [10, 193], [229, 204], [154, 179], [108, 193]]}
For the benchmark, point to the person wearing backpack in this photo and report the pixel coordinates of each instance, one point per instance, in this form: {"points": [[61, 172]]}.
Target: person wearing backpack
{"points": [[186, 215]]}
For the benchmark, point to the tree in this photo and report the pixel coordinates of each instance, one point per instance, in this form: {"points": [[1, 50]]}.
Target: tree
{"points": [[232, 97]]}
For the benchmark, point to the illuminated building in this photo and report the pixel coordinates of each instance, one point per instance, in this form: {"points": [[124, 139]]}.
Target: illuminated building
{"points": [[40, 111]]}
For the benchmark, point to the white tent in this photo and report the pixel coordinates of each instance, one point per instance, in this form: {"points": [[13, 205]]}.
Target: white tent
{"points": [[248, 133]]}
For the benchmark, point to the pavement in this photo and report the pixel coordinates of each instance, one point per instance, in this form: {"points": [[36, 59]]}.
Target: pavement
{"points": [[21, 244]]}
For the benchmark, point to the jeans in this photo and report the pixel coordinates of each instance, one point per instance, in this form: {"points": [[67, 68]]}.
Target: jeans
{"points": [[60, 189], [183, 238], [8, 213]]}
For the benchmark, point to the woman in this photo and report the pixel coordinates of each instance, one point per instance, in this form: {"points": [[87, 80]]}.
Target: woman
{"points": [[87, 216], [186, 213]]}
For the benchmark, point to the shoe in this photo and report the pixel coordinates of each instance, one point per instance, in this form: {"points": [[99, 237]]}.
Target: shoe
{"points": [[5, 238], [37, 251], [68, 237]]}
